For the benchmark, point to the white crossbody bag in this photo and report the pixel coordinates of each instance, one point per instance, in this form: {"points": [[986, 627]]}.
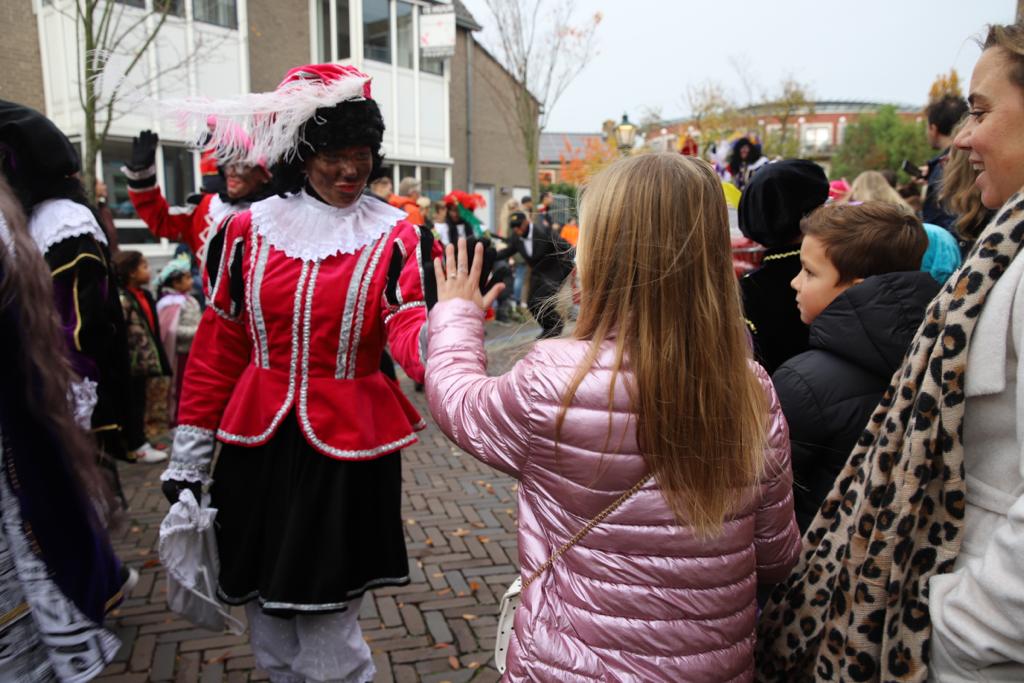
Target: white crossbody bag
{"points": [[510, 601]]}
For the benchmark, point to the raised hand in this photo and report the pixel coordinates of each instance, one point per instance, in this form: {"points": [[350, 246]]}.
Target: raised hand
{"points": [[457, 281], [144, 150]]}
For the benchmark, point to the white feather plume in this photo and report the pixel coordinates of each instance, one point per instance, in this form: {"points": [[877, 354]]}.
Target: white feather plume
{"points": [[271, 121]]}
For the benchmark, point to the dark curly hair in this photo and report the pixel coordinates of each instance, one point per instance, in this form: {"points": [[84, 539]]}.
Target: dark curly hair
{"points": [[736, 160], [346, 124]]}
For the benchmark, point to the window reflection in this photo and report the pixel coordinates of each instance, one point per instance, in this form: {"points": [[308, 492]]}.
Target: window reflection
{"points": [[377, 30]]}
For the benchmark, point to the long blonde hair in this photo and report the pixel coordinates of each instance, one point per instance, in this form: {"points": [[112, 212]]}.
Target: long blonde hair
{"points": [[656, 277], [871, 186]]}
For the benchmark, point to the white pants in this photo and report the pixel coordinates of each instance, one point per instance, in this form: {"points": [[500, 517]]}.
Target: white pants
{"points": [[311, 647]]}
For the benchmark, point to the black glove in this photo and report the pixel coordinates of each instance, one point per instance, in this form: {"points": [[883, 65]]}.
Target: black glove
{"points": [[172, 488], [144, 151]]}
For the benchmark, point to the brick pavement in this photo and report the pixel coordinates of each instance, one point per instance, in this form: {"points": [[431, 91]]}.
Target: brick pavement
{"points": [[460, 520]]}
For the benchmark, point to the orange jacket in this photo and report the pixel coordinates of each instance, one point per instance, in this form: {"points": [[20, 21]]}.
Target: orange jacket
{"points": [[408, 205], [570, 233]]}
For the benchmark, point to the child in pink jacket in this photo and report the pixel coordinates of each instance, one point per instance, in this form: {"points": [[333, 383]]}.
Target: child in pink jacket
{"points": [[656, 380]]}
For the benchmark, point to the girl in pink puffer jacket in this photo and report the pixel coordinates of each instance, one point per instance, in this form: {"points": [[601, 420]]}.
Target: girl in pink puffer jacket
{"points": [[656, 378]]}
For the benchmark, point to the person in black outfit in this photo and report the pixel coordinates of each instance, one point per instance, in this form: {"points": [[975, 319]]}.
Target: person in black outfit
{"points": [[550, 259], [870, 255], [495, 269], [771, 207], [42, 166], [943, 115]]}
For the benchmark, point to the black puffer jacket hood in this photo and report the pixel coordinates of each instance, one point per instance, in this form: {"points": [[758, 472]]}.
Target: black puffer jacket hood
{"points": [[872, 324], [829, 392]]}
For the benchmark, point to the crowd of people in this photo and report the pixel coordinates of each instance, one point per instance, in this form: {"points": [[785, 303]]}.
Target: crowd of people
{"points": [[810, 472]]}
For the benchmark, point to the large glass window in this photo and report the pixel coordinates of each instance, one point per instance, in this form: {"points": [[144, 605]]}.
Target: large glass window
{"points": [[432, 182], [178, 184], [179, 175], [174, 7], [220, 12], [323, 36], [406, 171], [406, 42], [344, 34], [377, 30], [116, 155], [817, 137], [432, 66]]}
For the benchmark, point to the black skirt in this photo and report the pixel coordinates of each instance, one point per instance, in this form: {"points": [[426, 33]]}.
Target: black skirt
{"points": [[301, 532]]}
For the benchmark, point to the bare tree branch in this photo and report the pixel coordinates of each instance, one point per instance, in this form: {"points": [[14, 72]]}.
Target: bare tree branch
{"points": [[542, 47], [104, 32]]}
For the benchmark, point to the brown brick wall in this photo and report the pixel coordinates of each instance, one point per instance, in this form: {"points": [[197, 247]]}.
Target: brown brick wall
{"points": [[22, 79], [278, 40], [498, 157]]}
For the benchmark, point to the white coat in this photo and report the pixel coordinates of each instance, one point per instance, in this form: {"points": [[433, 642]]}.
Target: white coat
{"points": [[977, 611]]}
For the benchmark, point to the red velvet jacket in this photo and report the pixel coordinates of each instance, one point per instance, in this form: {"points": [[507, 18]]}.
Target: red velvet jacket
{"points": [[186, 224], [192, 224], [304, 299]]}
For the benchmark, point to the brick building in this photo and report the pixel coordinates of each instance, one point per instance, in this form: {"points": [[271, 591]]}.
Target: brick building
{"points": [[238, 46], [487, 152], [818, 128]]}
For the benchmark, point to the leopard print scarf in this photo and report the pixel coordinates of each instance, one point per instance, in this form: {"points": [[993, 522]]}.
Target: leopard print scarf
{"points": [[855, 607]]}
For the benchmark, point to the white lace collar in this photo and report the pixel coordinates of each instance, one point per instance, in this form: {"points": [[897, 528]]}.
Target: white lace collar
{"points": [[56, 220], [219, 209], [306, 228]]}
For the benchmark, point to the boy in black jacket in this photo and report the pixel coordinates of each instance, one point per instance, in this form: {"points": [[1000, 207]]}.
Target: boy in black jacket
{"points": [[860, 290]]}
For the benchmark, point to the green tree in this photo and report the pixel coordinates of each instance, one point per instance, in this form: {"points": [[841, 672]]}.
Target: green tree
{"points": [[878, 141], [790, 101]]}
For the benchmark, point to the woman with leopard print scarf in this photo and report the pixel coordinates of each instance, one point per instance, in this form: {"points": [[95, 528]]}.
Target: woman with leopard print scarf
{"points": [[913, 569]]}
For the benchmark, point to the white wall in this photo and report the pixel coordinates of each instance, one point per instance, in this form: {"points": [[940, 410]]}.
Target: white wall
{"points": [[402, 140], [216, 54]]}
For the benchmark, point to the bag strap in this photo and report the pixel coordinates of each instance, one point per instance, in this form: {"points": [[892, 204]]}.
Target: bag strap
{"points": [[600, 517]]}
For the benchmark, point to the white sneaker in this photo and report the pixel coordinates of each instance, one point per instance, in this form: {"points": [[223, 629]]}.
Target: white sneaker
{"points": [[149, 455]]}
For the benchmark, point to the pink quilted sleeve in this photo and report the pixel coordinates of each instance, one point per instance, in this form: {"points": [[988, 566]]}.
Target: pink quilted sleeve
{"points": [[489, 417], [777, 538]]}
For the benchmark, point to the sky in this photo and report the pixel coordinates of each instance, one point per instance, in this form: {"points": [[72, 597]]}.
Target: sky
{"points": [[651, 51]]}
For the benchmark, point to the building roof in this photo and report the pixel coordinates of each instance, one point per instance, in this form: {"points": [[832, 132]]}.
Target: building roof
{"points": [[552, 145], [843, 107], [465, 18], [822, 107]]}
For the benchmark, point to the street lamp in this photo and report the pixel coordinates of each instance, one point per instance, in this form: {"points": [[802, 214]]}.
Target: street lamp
{"points": [[625, 135]]}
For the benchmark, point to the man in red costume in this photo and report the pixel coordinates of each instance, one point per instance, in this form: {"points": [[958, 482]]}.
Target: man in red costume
{"points": [[192, 224]]}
